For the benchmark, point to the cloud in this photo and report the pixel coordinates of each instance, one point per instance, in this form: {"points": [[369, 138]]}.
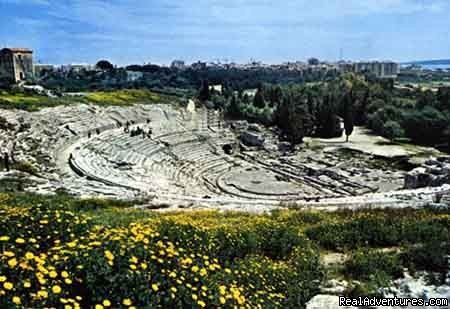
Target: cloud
{"points": [[238, 29]]}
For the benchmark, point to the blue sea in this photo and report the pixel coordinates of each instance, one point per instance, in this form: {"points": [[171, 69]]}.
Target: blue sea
{"points": [[431, 66], [436, 66]]}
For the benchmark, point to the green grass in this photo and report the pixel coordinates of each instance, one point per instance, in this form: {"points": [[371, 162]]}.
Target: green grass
{"points": [[123, 97], [33, 102], [27, 101]]}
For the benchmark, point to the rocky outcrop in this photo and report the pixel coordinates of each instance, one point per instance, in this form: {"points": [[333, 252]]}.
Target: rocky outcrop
{"points": [[433, 173], [252, 138], [285, 146], [325, 302], [255, 127], [418, 287], [239, 125]]}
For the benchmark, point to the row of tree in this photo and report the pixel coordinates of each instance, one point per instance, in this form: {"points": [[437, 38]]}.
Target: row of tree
{"points": [[319, 109]]}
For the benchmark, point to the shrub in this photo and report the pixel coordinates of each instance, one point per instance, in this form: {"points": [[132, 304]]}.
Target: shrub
{"points": [[26, 167], [365, 264], [432, 124], [376, 229], [392, 130], [431, 256]]}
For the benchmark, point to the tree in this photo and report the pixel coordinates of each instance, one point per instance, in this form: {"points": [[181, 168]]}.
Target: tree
{"points": [[275, 95], [227, 91], [327, 121], [104, 65], [6, 83], [348, 115], [426, 98], [258, 100], [294, 118], [426, 126], [361, 107], [378, 120], [234, 107], [392, 129], [443, 96], [313, 61], [204, 94]]}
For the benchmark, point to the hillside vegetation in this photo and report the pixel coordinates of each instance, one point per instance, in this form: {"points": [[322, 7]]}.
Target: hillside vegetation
{"points": [[31, 101], [60, 251]]}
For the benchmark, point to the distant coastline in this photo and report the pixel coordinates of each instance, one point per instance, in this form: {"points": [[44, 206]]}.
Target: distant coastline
{"points": [[431, 64]]}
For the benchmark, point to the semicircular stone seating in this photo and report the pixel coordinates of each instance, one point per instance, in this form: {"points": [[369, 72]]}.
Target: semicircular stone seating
{"points": [[182, 158]]}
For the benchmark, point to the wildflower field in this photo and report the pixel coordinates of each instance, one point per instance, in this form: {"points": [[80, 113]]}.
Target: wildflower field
{"points": [[61, 252]]}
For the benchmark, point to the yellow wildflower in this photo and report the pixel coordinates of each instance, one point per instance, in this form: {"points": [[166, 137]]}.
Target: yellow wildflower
{"points": [[43, 294], [53, 274], [56, 289], [109, 255], [8, 254], [16, 300], [8, 286], [203, 272], [12, 263]]}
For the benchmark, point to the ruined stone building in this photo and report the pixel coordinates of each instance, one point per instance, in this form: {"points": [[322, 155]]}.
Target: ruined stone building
{"points": [[16, 64]]}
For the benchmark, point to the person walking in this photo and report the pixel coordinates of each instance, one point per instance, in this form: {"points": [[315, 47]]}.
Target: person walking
{"points": [[6, 160]]}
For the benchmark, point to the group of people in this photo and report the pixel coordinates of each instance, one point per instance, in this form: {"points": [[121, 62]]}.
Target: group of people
{"points": [[96, 131], [133, 132], [138, 131]]}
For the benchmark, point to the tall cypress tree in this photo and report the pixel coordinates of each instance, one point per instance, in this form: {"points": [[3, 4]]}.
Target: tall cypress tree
{"points": [[348, 115], [204, 93], [258, 100]]}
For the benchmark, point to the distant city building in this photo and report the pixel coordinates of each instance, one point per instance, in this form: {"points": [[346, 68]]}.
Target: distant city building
{"points": [[133, 76], [345, 67], [39, 69], [77, 67], [178, 64], [198, 65], [313, 61], [386, 69], [16, 64]]}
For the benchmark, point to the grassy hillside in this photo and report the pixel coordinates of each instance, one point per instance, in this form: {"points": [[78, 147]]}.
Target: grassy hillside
{"points": [[98, 254], [122, 97], [31, 102]]}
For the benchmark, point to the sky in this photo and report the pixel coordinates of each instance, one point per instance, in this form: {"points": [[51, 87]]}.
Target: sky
{"points": [[159, 31]]}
